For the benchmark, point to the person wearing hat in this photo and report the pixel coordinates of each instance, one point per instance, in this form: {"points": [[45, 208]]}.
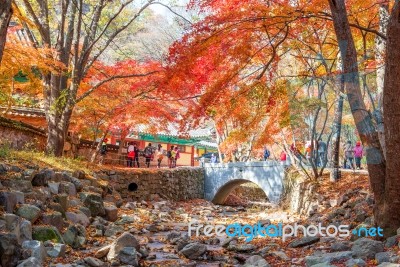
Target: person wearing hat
{"points": [[358, 154]]}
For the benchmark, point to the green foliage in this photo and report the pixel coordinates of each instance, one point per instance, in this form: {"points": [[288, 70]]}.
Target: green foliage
{"points": [[5, 150]]}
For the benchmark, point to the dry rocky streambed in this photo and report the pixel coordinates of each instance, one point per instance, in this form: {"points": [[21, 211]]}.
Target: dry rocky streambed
{"points": [[54, 218]]}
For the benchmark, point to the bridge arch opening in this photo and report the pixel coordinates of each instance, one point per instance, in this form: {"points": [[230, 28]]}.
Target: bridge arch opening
{"points": [[228, 188]]}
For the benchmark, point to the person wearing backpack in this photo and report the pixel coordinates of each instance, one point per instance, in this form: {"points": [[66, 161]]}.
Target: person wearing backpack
{"points": [[131, 155], [266, 154], [148, 153], [169, 156]]}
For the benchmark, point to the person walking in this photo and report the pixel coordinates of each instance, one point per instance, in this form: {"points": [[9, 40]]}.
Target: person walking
{"points": [[136, 158], [159, 155], [213, 158], [131, 155], [148, 154], [103, 150], [283, 156], [321, 153], [266, 154], [169, 156], [177, 155], [358, 154], [173, 157], [348, 155]]}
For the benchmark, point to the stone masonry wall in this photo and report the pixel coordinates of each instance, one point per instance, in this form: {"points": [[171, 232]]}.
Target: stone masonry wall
{"points": [[174, 184], [20, 135]]}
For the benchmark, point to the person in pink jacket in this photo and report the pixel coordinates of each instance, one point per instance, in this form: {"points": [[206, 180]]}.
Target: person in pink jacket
{"points": [[358, 154]]}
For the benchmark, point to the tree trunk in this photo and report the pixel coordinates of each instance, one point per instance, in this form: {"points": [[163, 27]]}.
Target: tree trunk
{"points": [[362, 118], [391, 108], [5, 17], [337, 126], [380, 49]]}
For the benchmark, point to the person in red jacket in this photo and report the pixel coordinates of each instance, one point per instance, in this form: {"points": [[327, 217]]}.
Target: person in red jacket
{"points": [[283, 156]]}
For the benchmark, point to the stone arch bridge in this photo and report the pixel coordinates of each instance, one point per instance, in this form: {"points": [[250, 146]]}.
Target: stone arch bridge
{"points": [[221, 179]]}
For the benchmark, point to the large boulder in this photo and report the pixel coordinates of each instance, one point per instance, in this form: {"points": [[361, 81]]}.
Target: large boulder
{"points": [[34, 248], [44, 233], [75, 236], [10, 251], [22, 228], [43, 177], [53, 218], [94, 202], [124, 240], [30, 262], [328, 257], [129, 255], [77, 217], [29, 212], [8, 200], [55, 250], [256, 261], [366, 248], [304, 241], [194, 250]]}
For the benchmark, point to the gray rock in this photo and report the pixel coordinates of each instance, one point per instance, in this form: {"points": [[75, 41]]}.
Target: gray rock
{"points": [[388, 264], [256, 261], [323, 264], [365, 248], [356, 263], [173, 235], [56, 250], [304, 241], [242, 247], [340, 246], [30, 262], [382, 257], [280, 254], [328, 257], [19, 196], [124, 240], [75, 236], [85, 211], [10, 251], [111, 213], [113, 230], [94, 202], [129, 255], [78, 217], [392, 241], [93, 262], [8, 200], [54, 186], [62, 199], [67, 188], [194, 250], [77, 183], [34, 248], [43, 177], [22, 228], [53, 218]]}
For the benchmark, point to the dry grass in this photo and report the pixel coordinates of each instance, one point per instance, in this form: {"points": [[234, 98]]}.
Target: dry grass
{"points": [[43, 160]]}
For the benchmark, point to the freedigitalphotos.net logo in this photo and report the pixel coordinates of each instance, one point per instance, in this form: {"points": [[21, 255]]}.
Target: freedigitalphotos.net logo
{"points": [[278, 230]]}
